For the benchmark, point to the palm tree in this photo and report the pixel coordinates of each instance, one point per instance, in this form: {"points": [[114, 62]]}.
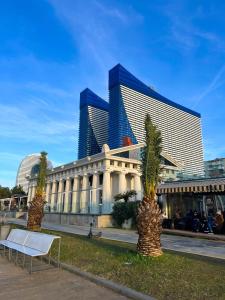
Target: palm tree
{"points": [[126, 196], [36, 208], [149, 214]]}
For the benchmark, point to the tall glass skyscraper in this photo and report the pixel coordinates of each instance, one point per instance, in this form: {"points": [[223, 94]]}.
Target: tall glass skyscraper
{"points": [[93, 127], [129, 102], [121, 121]]}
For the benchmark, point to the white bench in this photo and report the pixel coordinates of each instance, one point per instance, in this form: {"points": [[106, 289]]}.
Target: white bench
{"points": [[29, 243]]}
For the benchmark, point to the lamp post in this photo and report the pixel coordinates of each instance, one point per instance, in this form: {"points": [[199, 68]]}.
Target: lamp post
{"points": [[90, 234]]}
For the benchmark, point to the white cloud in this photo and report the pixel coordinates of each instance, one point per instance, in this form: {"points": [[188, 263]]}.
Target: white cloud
{"points": [[212, 152], [125, 17], [8, 179], [184, 31], [19, 124], [95, 29], [4, 156], [214, 84]]}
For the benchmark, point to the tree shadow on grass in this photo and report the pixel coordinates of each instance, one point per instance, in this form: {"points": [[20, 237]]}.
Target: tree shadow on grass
{"points": [[109, 245]]}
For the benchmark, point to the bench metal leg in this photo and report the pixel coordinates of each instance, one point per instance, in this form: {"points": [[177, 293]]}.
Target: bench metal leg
{"points": [[24, 260], [16, 257], [9, 255], [59, 249], [31, 264], [49, 257], [2, 249]]}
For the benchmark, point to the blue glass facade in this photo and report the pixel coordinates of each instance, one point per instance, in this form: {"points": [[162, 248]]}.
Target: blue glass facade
{"points": [[119, 126], [89, 102]]}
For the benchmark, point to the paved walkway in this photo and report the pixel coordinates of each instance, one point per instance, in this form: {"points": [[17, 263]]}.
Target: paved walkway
{"points": [[208, 248], [17, 284]]}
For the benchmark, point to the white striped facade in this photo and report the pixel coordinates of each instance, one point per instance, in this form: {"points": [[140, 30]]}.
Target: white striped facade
{"points": [[99, 123], [24, 170], [181, 131]]}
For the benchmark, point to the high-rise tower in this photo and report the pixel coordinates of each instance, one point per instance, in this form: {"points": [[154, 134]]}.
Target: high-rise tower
{"points": [[93, 128], [129, 102]]}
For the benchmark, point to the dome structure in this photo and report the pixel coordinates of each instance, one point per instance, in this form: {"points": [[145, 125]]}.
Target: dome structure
{"points": [[29, 166]]}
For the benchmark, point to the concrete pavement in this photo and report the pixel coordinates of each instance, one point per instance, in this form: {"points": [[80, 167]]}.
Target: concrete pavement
{"points": [[54, 284], [208, 248]]}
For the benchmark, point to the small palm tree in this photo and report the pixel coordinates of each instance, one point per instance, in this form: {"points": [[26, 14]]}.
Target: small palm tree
{"points": [[36, 208], [126, 195], [149, 214]]}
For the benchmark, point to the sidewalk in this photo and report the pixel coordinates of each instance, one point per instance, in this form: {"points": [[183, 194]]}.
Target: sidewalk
{"points": [[54, 284], [198, 246]]}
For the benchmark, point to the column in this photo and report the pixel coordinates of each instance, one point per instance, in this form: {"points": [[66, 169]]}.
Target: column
{"points": [[67, 194], [47, 196], [122, 182], [137, 186], [59, 202], [75, 192], [53, 196], [95, 192], [84, 194], [29, 194], [164, 205], [33, 192], [106, 196]]}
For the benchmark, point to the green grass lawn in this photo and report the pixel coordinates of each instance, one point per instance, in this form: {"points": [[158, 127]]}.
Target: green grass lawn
{"points": [[171, 276]]}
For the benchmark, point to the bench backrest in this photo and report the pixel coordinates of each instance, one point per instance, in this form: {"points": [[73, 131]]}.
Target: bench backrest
{"points": [[18, 236], [35, 240], [11, 234], [40, 241]]}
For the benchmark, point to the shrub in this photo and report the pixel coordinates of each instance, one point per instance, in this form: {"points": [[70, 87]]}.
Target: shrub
{"points": [[125, 210]]}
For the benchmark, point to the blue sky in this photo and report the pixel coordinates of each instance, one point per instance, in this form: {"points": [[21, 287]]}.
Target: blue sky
{"points": [[52, 50]]}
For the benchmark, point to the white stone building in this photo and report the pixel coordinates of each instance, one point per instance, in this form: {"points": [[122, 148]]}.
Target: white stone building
{"points": [[88, 186]]}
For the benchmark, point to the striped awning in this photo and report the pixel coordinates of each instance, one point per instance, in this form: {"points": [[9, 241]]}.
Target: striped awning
{"points": [[197, 186]]}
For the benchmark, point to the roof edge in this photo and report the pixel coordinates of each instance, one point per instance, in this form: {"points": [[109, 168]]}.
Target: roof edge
{"points": [[89, 98], [118, 75]]}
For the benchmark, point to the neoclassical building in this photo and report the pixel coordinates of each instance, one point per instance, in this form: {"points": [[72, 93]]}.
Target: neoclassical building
{"points": [[88, 186], [77, 191]]}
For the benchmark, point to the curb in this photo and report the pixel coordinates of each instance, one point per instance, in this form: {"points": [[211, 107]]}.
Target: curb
{"points": [[190, 234], [118, 288], [122, 290]]}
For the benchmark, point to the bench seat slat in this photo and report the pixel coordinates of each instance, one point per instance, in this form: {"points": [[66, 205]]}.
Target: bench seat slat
{"points": [[22, 249]]}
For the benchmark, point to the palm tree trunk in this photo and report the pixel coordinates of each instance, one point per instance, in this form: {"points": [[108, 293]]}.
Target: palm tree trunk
{"points": [[35, 213], [149, 228]]}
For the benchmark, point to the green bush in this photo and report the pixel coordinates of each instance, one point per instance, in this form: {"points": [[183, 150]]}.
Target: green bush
{"points": [[125, 210]]}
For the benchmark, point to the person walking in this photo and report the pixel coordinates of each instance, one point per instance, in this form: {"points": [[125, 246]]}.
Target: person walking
{"points": [[219, 221], [210, 222]]}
